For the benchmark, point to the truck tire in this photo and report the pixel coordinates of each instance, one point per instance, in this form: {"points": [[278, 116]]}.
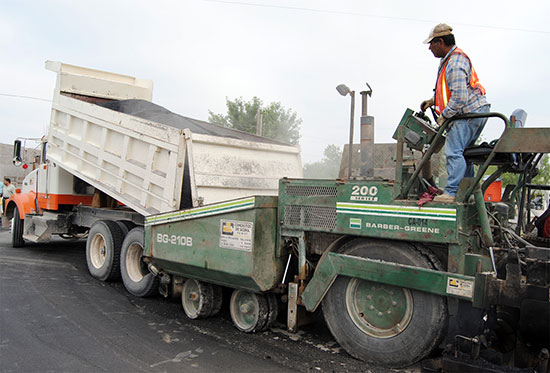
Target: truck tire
{"points": [[382, 324], [125, 226], [17, 225], [103, 250], [137, 279]]}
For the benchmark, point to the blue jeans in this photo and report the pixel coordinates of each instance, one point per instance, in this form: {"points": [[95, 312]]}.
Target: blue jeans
{"points": [[462, 134]]}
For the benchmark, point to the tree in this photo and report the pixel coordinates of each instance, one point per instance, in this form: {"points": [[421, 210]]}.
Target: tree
{"points": [[278, 123], [543, 176], [328, 167]]}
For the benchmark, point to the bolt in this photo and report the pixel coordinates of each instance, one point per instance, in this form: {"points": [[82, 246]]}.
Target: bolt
{"points": [[379, 313], [394, 303], [391, 292], [193, 296], [369, 297], [244, 308], [371, 307], [389, 312]]}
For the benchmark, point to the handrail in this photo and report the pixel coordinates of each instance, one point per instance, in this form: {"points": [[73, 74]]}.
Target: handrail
{"points": [[435, 140], [485, 166]]}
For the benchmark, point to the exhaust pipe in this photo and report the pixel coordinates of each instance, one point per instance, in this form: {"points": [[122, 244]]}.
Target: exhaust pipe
{"points": [[367, 137]]}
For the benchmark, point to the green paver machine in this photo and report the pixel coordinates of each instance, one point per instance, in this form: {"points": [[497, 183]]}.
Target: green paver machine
{"points": [[395, 281]]}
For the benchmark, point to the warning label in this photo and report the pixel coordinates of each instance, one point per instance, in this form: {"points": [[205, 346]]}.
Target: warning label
{"points": [[237, 235], [460, 287]]}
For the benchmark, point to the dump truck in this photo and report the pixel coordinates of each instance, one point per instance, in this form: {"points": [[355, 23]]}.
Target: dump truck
{"points": [[398, 278], [111, 155]]}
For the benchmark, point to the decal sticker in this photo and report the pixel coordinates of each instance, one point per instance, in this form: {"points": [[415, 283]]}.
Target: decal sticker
{"points": [[355, 223], [463, 288], [236, 235], [364, 193]]}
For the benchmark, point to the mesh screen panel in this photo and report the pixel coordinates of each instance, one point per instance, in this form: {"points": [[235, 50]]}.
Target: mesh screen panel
{"points": [[310, 216], [306, 190]]}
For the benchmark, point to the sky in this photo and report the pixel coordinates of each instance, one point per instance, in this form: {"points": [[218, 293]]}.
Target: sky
{"points": [[200, 52]]}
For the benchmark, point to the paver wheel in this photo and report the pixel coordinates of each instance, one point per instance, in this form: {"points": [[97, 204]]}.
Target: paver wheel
{"points": [[382, 324], [103, 250], [17, 225], [249, 311], [197, 299], [217, 301], [137, 279]]}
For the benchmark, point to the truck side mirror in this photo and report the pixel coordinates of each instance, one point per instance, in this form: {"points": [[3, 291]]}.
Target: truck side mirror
{"points": [[17, 160]]}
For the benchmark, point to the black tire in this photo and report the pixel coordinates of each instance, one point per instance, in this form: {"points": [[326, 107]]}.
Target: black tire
{"points": [[17, 225], [103, 250], [256, 315], [397, 340], [125, 226], [217, 301], [197, 299], [137, 279]]}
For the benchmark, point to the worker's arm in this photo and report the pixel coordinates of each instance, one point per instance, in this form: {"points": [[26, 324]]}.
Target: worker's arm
{"points": [[457, 77]]}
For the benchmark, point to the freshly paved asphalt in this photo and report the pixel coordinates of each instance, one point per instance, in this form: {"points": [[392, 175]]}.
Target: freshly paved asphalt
{"points": [[55, 317]]}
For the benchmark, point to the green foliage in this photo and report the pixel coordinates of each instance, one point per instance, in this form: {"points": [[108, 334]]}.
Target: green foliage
{"points": [[278, 123], [543, 176], [328, 167]]}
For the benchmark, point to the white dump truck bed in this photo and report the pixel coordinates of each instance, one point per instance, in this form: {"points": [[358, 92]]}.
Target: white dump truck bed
{"points": [[149, 166]]}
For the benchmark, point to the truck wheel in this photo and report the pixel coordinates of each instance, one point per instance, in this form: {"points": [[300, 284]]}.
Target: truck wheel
{"points": [[382, 324], [103, 250], [249, 311], [197, 299], [17, 225], [125, 226], [136, 277]]}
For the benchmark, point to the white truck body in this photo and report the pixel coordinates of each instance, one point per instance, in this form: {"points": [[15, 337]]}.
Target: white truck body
{"points": [[141, 163]]}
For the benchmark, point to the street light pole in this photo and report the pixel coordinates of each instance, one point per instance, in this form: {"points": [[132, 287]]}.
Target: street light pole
{"points": [[344, 90], [351, 125]]}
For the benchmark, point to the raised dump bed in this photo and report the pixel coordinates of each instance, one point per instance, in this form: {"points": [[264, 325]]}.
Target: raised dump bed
{"points": [[105, 131]]}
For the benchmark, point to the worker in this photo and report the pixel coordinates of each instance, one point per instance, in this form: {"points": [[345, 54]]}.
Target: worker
{"points": [[7, 191], [457, 92]]}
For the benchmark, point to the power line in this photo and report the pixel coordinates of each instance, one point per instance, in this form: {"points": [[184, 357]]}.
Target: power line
{"points": [[26, 97], [341, 12]]}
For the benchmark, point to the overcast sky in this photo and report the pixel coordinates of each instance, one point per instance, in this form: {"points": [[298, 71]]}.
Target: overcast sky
{"points": [[293, 51]]}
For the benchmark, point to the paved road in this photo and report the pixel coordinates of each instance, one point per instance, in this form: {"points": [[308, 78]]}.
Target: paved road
{"points": [[56, 317]]}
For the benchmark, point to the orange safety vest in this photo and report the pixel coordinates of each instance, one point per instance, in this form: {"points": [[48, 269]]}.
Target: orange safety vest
{"points": [[442, 91]]}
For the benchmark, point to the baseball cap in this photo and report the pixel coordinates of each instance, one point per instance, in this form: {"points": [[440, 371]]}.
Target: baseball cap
{"points": [[441, 29]]}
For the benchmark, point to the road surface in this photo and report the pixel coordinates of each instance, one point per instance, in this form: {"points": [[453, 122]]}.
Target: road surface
{"points": [[56, 317]]}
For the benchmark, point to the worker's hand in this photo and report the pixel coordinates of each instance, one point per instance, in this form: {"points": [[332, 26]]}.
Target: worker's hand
{"points": [[441, 119], [426, 104]]}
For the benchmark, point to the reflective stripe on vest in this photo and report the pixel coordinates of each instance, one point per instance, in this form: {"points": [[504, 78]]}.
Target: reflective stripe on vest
{"points": [[442, 91]]}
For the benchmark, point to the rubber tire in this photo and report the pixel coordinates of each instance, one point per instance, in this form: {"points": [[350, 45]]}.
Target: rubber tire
{"points": [[262, 315], [17, 225], [424, 331], [206, 299], [149, 284], [125, 226], [217, 300], [112, 234], [273, 305]]}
